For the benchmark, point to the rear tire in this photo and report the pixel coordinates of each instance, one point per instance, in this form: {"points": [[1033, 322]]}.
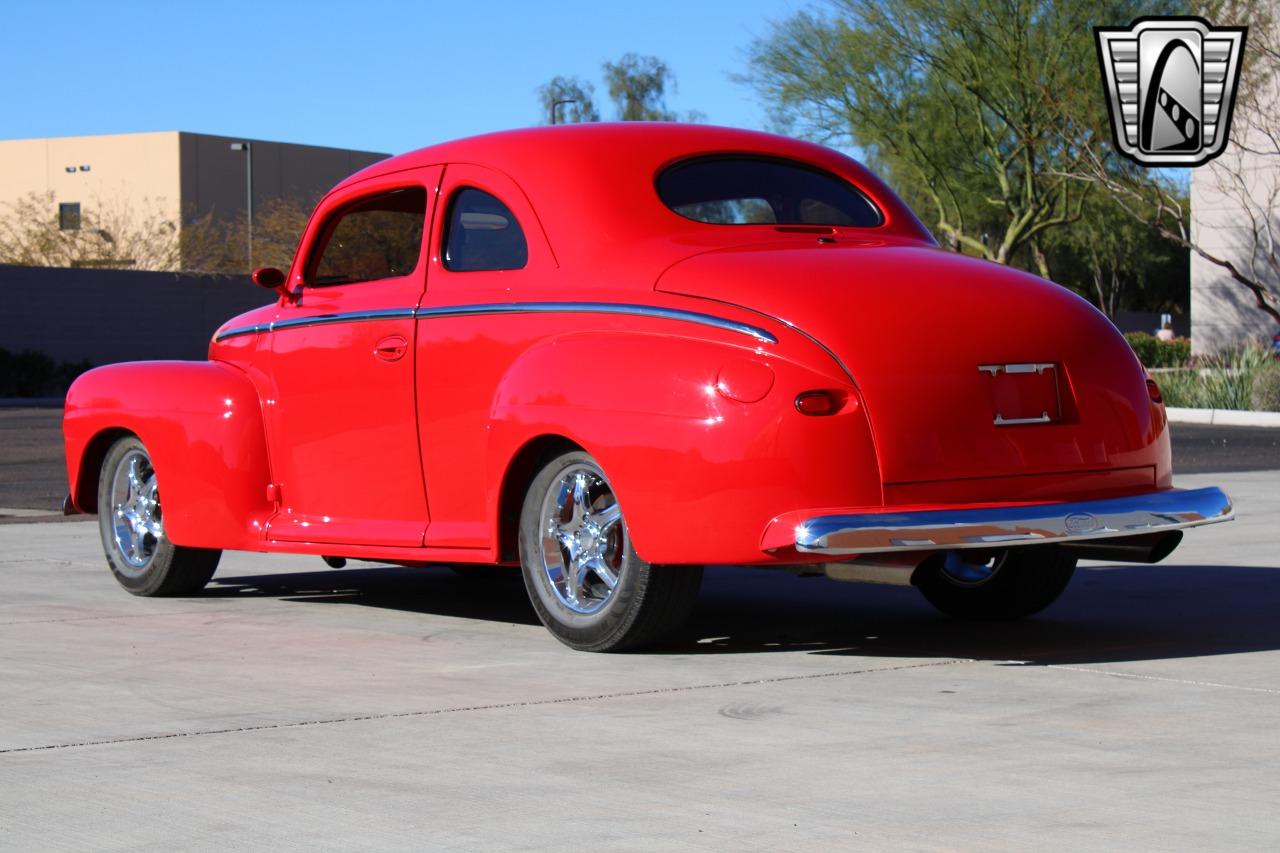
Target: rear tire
{"points": [[1017, 582], [586, 582], [131, 523]]}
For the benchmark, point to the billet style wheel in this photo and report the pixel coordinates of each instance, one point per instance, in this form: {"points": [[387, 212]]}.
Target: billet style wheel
{"points": [[131, 522], [1014, 583], [586, 582]]}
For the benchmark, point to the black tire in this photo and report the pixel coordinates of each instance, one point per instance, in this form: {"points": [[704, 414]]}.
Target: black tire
{"points": [[144, 563], [1022, 581], [645, 603]]}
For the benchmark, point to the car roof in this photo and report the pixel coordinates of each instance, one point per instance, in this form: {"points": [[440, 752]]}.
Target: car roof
{"points": [[591, 144], [592, 184]]}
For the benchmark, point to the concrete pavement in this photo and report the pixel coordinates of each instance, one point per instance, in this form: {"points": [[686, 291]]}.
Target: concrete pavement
{"points": [[298, 708]]}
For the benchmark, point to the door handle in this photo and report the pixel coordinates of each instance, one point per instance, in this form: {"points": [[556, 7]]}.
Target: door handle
{"points": [[391, 348]]}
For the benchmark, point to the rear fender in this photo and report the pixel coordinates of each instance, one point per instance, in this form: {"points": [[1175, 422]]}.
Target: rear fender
{"points": [[698, 474], [201, 423]]}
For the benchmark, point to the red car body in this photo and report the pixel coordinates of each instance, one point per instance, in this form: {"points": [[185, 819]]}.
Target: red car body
{"points": [[402, 419]]}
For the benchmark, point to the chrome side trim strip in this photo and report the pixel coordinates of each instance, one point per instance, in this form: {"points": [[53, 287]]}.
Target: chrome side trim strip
{"points": [[828, 350], [844, 368], [347, 317], [242, 330], [1037, 524], [507, 308], [599, 308], [317, 320]]}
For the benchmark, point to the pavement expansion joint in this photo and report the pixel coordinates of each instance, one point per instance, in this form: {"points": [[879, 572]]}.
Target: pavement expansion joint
{"points": [[1164, 679], [496, 706], [4, 623]]}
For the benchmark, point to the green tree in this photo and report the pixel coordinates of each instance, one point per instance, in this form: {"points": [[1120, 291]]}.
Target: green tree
{"points": [[110, 234], [979, 110], [568, 100], [212, 244], [638, 87], [1114, 260]]}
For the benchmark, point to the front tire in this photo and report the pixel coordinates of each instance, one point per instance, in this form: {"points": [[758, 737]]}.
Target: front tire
{"points": [[131, 522], [586, 582], [1013, 584]]}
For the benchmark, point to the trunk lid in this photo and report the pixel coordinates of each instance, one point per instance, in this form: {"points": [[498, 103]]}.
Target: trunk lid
{"points": [[941, 346]]}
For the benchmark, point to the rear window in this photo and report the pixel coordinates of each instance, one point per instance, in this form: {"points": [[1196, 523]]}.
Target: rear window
{"points": [[758, 191]]}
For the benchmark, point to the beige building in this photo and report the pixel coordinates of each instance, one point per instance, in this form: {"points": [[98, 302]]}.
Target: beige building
{"points": [[167, 177], [1235, 216]]}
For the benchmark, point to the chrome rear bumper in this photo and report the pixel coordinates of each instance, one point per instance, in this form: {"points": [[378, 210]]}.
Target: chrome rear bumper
{"points": [[1006, 526]]}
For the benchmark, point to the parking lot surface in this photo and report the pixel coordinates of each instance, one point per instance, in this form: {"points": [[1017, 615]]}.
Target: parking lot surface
{"points": [[299, 708]]}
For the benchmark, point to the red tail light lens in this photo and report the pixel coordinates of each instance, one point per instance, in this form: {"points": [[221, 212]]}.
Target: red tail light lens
{"points": [[1153, 391], [817, 403]]}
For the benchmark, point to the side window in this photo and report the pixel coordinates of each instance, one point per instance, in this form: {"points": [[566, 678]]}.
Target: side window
{"points": [[482, 234], [380, 237]]}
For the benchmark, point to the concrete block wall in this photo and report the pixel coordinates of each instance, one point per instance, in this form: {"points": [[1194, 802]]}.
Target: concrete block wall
{"points": [[107, 316]]}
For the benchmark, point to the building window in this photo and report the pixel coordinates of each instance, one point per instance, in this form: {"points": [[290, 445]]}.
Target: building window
{"points": [[69, 216]]}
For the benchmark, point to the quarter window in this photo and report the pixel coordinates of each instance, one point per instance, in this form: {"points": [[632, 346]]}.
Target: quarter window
{"points": [[482, 234], [378, 238], [760, 191]]}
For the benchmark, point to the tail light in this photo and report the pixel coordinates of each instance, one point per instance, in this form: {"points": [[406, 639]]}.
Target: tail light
{"points": [[818, 403], [1153, 391]]}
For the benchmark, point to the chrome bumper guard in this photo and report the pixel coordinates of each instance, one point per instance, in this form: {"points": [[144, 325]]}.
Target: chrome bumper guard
{"points": [[1007, 526]]}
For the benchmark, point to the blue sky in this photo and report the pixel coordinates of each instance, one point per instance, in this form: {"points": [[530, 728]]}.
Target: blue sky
{"points": [[373, 75]]}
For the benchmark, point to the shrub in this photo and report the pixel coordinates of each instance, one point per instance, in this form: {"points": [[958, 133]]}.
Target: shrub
{"points": [[1181, 389], [1153, 352], [34, 374], [1266, 390], [1222, 381]]}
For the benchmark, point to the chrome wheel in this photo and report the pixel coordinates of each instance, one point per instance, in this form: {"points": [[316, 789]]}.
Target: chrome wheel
{"points": [[139, 550], [137, 528], [583, 541], [585, 580]]}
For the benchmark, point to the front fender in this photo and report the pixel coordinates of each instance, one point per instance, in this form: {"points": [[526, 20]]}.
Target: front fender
{"points": [[201, 423], [698, 474]]}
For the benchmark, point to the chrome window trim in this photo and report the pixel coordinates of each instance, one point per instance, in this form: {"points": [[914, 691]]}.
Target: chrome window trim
{"points": [[507, 308], [1036, 524]]}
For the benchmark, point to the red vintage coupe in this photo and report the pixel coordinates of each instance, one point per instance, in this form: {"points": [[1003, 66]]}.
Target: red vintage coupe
{"points": [[613, 354]]}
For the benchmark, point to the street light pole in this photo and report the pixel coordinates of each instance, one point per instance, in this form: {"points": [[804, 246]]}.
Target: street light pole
{"points": [[555, 104], [248, 171]]}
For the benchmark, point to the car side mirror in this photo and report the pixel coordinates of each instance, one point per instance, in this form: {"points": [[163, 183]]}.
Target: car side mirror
{"points": [[269, 277]]}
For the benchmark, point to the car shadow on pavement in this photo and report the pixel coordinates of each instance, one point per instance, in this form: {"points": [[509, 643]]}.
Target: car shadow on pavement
{"points": [[489, 593], [1108, 614]]}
